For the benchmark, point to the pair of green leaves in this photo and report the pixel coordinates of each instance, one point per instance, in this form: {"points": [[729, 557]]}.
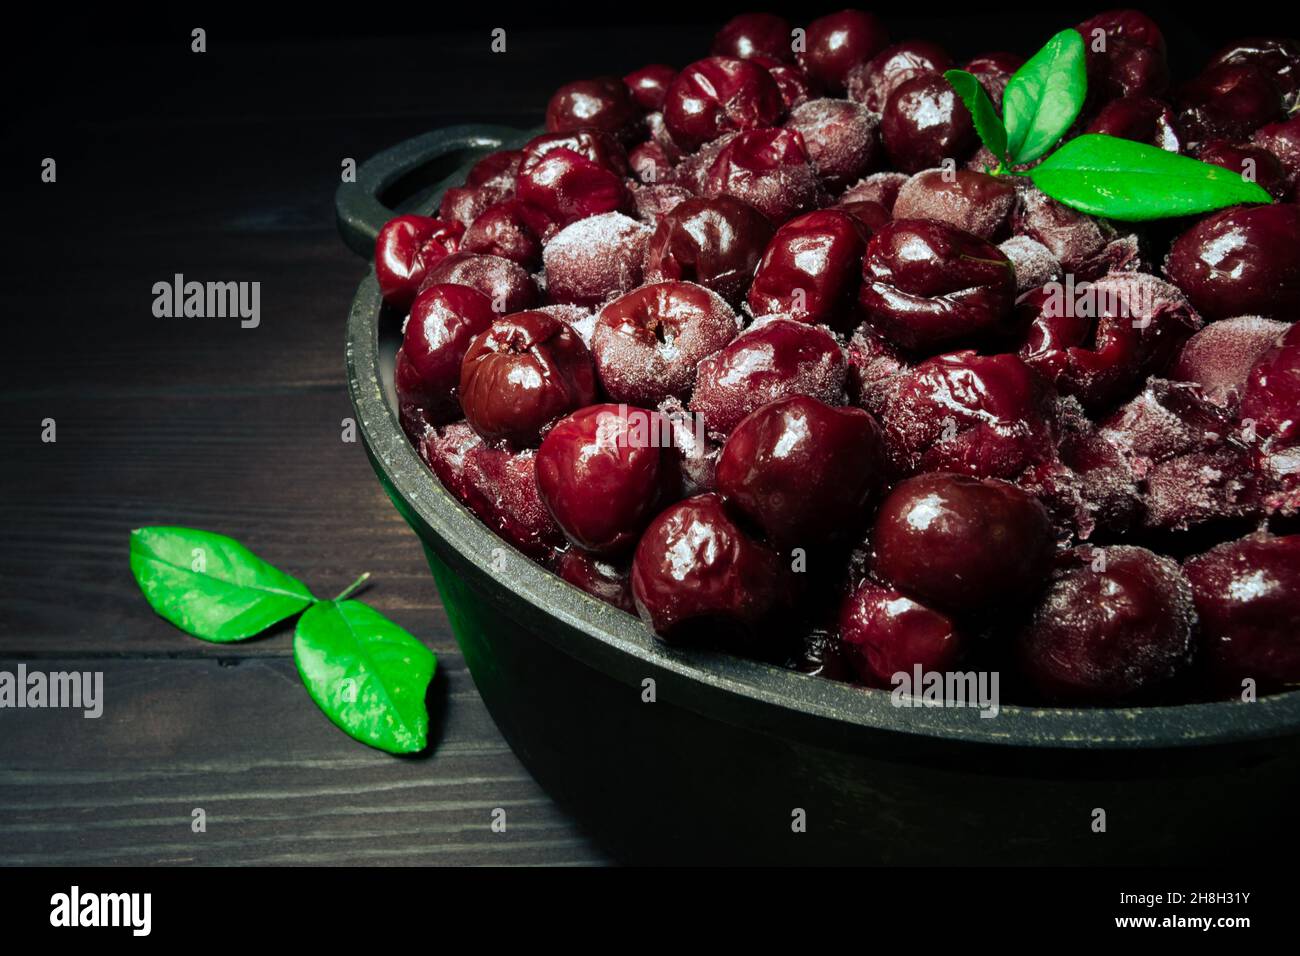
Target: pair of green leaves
{"points": [[368, 675], [1097, 174]]}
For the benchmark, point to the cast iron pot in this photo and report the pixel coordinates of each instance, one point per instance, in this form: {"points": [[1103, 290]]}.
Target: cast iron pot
{"points": [[671, 755]]}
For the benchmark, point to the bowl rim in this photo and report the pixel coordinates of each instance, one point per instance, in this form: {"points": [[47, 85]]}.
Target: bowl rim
{"points": [[722, 685]]}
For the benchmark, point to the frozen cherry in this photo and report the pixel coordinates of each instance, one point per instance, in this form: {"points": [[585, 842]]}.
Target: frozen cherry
{"points": [[611, 583], [604, 103], [925, 122], [811, 270], [772, 359], [961, 543], [648, 342], [841, 139], [604, 472], [497, 484], [505, 283], [1221, 355], [836, 43], [1114, 627], [497, 171], [1141, 118], [1230, 101], [802, 471], [696, 571], [570, 176], [1283, 141], [511, 230], [443, 321], [462, 205], [872, 82], [880, 188], [714, 242], [982, 415], [720, 95], [1247, 595], [523, 372], [875, 369], [767, 168], [789, 78], [1277, 57], [1076, 239], [1247, 160], [994, 71], [1034, 264], [1272, 396], [927, 285], [649, 85], [973, 202], [595, 259], [755, 34], [406, 247], [884, 632], [1126, 55], [1241, 261]]}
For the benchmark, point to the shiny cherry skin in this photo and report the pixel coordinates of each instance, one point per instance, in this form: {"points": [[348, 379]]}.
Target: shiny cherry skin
{"points": [[836, 43], [884, 632], [443, 321], [755, 34], [1241, 261], [1144, 119], [870, 83], [649, 85], [695, 571], [603, 103], [841, 138], [767, 168], [962, 544], [1126, 55], [404, 250], [509, 287], [604, 472], [1247, 595], [770, 360], [1278, 57], [973, 202], [1114, 627], [989, 416], [570, 176], [611, 583], [811, 270], [802, 471], [927, 285], [1263, 166], [523, 372], [994, 71], [1283, 141], [648, 342], [720, 95], [1220, 356], [925, 122], [714, 242], [1272, 394], [1230, 101], [511, 230], [497, 171], [789, 78]]}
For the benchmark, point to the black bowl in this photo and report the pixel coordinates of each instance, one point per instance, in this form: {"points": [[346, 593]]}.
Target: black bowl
{"points": [[685, 756]]}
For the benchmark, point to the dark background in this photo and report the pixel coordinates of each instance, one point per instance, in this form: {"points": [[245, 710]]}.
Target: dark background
{"points": [[222, 166]]}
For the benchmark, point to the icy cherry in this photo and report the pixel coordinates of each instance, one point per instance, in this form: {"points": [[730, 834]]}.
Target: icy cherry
{"points": [[1272, 395], [973, 202], [767, 168], [714, 242]]}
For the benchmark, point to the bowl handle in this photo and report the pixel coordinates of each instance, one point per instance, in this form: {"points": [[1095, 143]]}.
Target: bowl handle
{"points": [[416, 171]]}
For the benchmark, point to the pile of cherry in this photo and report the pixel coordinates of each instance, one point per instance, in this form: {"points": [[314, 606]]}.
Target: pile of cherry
{"points": [[759, 351]]}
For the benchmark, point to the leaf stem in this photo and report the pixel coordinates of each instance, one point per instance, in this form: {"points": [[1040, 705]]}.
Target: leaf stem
{"points": [[352, 588]]}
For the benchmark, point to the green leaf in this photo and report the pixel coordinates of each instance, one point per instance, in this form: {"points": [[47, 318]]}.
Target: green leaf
{"points": [[987, 122], [212, 586], [1123, 179], [1044, 96], [367, 674]]}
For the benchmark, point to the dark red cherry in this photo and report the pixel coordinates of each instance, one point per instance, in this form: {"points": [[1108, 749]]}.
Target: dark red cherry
{"points": [[1124, 24], [497, 171], [1278, 57], [649, 85], [870, 215], [1126, 55], [720, 95], [1220, 356], [523, 372], [511, 230], [1241, 261], [973, 202], [755, 34], [772, 359], [696, 571], [1253, 163], [1114, 627], [789, 78], [811, 270], [498, 484], [836, 43], [611, 583], [443, 321], [594, 259], [1141, 118], [884, 632], [880, 188], [1247, 595], [505, 283], [963, 544], [767, 168], [994, 71], [714, 242], [604, 103], [802, 471], [1230, 101], [462, 205], [1283, 141], [604, 472], [406, 247], [927, 285], [1272, 396], [841, 138], [570, 176], [875, 369], [872, 82], [648, 342], [1076, 239], [984, 415], [925, 122]]}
